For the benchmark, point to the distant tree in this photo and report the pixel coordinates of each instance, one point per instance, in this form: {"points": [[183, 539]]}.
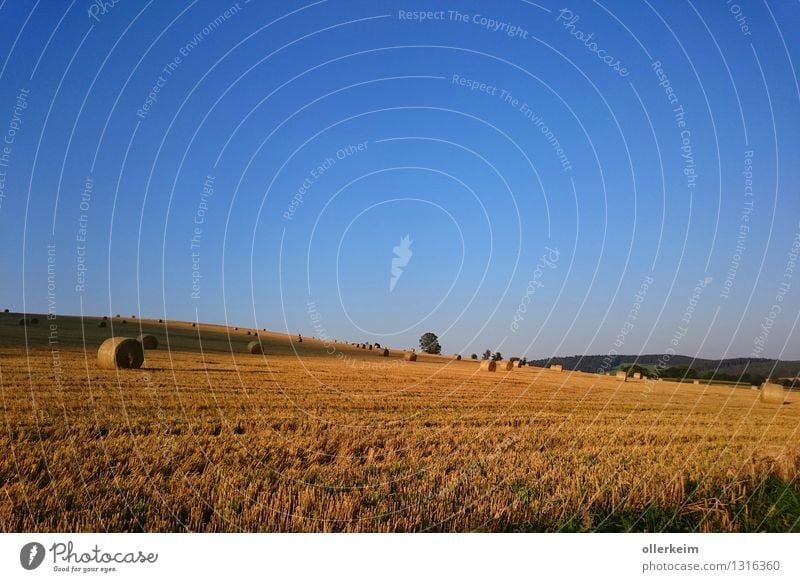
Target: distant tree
{"points": [[513, 359], [497, 356], [474, 356], [524, 361], [487, 355], [429, 343]]}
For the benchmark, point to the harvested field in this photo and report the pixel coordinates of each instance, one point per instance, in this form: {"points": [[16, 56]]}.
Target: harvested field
{"points": [[206, 437]]}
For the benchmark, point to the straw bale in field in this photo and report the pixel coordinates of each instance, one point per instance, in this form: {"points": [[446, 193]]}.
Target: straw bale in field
{"points": [[120, 352]]}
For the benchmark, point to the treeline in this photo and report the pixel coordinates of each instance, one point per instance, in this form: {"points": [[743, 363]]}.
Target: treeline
{"points": [[753, 370]]}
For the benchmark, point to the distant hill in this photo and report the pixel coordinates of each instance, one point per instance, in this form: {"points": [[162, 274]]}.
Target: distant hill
{"points": [[730, 366]]}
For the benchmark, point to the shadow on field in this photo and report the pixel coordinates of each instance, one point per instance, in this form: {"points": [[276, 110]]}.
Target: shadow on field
{"points": [[773, 505]]}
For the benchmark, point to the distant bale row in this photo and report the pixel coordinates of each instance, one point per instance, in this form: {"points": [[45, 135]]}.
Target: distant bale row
{"points": [[28, 321]]}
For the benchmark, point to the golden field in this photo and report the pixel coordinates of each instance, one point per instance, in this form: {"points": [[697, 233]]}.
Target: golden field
{"points": [[206, 437]]}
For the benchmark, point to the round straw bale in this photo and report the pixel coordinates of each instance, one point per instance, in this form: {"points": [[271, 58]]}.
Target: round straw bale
{"points": [[410, 357], [370, 346], [458, 356], [34, 321], [101, 323], [385, 352], [507, 365], [22, 321], [254, 347], [772, 393], [160, 321], [120, 352], [149, 342], [194, 324], [235, 329], [124, 321], [248, 333], [488, 366]]}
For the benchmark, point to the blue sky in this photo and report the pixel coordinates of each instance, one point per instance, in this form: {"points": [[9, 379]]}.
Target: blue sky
{"points": [[327, 131]]}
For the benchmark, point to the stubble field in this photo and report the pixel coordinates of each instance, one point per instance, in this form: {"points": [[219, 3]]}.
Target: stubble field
{"points": [[206, 437]]}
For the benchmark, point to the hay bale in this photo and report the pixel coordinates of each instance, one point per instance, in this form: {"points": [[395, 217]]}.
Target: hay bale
{"points": [[772, 393], [370, 346], [621, 374], [248, 333], [488, 366], [519, 364], [695, 381], [124, 321], [101, 324], [160, 321], [508, 366], [194, 324], [458, 356], [385, 352], [637, 375], [149, 342], [410, 357], [254, 347], [34, 321], [556, 367], [120, 352], [22, 321], [377, 345]]}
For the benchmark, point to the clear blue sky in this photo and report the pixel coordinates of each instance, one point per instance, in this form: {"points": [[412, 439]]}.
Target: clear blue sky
{"points": [[487, 136]]}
